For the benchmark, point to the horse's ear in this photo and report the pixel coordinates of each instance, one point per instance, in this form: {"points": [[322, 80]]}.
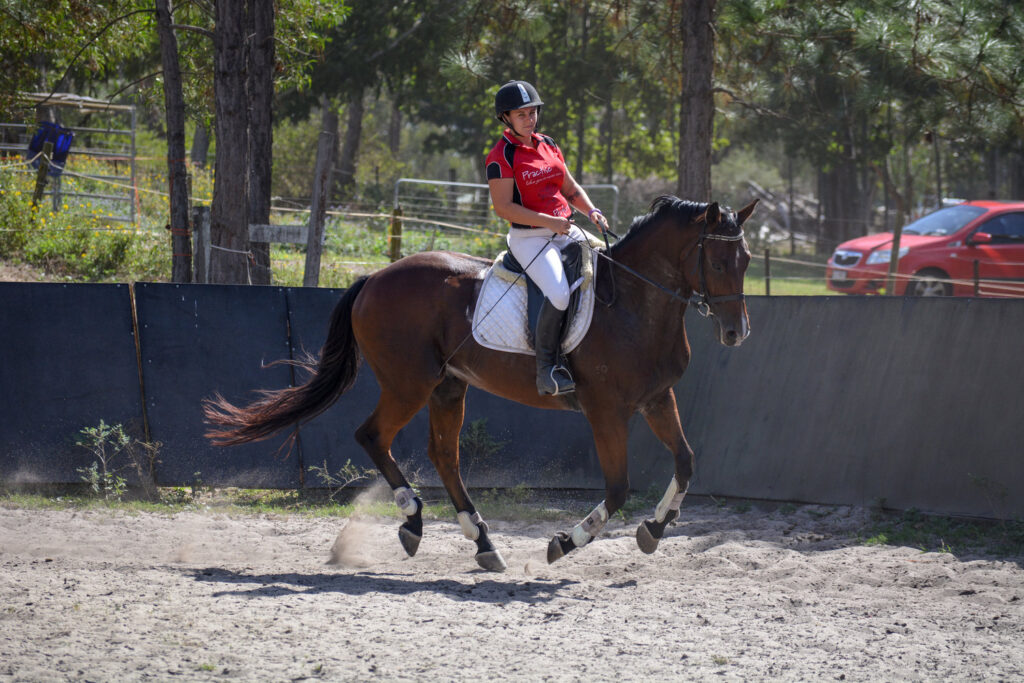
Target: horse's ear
{"points": [[711, 215], [744, 213]]}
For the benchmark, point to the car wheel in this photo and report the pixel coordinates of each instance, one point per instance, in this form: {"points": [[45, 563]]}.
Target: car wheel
{"points": [[930, 282]]}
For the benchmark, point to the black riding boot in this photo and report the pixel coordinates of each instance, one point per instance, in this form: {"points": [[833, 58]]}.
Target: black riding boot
{"points": [[552, 378]]}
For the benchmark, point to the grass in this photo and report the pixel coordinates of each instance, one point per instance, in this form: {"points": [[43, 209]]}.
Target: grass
{"points": [[799, 275], [911, 528], [934, 533], [517, 503]]}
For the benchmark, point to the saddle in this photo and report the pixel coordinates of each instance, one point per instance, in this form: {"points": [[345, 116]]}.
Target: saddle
{"points": [[509, 302]]}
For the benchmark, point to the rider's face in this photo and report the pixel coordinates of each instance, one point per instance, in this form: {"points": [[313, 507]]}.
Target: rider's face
{"points": [[524, 121]]}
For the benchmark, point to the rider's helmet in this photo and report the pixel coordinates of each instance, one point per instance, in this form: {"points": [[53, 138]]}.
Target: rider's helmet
{"points": [[515, 95]]}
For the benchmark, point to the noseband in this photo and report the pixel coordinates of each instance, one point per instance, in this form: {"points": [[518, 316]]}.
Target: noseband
{"points": [[700, 299]]}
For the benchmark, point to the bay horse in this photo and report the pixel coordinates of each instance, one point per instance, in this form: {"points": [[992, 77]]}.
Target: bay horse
{"points": [[411, 321]]}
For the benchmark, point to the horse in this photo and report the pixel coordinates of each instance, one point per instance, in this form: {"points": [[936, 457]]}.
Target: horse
{"points": [[412, 323]]}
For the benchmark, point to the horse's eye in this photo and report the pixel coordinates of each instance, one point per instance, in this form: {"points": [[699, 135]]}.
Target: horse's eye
{"points": [[717, 266]]}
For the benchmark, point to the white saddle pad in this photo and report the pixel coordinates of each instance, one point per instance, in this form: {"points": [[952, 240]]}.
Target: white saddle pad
{"points": [[499, 321]]}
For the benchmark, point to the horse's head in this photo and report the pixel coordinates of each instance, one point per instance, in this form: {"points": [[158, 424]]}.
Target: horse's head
{"points": [[715, 269]]}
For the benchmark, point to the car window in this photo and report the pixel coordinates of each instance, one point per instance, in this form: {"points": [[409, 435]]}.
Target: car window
{"points": [[944, 221], [1006, 228]]}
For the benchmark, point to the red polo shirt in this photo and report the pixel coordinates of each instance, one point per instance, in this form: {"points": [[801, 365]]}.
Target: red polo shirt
{"points": [[537, 173]]}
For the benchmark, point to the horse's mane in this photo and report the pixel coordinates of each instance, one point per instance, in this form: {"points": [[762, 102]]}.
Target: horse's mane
{"points": [[686, 211]]}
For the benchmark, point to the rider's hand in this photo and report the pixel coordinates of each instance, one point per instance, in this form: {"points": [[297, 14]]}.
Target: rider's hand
{"points": [[561, 225], [599, 221]]}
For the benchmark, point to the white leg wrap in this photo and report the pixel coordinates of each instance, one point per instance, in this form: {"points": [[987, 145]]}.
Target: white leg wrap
{"points": [[672, 499], [405, 499], [469, 522], [590, 526]]}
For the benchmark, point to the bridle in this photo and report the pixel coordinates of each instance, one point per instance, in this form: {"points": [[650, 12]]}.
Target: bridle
{"points": [[700, 299]]}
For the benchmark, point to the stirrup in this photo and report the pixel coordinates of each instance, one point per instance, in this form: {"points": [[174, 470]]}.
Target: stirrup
{"points": [[557, 382]]}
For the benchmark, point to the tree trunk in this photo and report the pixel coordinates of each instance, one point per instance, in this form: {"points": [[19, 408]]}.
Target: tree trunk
{"points": [[395, 127], [696, 104], [261, 123], [229, 213], [581, 101], [174, 102], [350, 147], [844, 217], [1015, 159], [606, 133]]}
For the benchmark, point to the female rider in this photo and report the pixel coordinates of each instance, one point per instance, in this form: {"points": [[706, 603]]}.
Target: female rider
{"points": [[532, 189]]}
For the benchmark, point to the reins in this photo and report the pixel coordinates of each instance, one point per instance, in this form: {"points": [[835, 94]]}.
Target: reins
{"points": [[702, 302]]}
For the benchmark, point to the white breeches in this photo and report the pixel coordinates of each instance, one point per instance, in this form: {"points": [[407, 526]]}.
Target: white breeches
{"points": [[543, 252]]}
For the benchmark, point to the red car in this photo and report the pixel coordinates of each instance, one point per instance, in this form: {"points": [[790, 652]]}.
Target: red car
{"points": [[946, 253]]}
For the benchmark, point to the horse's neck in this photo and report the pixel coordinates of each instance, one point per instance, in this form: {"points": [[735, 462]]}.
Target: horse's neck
{"points": [[658, 313], [656, 257]]}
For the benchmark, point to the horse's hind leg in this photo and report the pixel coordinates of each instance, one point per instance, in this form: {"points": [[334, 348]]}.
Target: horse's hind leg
{"points": [[663, 418], [375, 436], [447, 409]]}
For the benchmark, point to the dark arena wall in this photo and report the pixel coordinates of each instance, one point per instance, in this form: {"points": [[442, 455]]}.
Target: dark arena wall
{"points": [[907, 403]]}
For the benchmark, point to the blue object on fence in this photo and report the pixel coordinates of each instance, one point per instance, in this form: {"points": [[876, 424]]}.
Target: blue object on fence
{"points": [[61, 138]]}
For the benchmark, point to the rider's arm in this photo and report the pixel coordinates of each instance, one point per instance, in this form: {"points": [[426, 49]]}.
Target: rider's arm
{"points": [[501, 198], [579, 199]]}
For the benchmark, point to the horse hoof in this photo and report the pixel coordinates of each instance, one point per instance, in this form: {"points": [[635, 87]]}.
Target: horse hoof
{"points": [[559, 546], [410, 541], [491, 560], [645, 539]]}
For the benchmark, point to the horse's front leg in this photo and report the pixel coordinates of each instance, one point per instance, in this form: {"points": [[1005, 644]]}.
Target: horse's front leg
{"points": [[610, 436], [663, 417], [447, 410]]}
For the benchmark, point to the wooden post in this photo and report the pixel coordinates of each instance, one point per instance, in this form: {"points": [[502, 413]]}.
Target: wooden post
{"points": [[395, 235], [44, 166], [767, 272], [201, 244], [55, 194], [318, 209]]}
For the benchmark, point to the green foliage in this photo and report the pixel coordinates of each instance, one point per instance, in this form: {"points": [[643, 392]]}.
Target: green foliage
{"points": [[116, 452], [108, 484], [347, 475], [56, 44], [844, 90], [478, 447], [75, 240], [13, 235]]}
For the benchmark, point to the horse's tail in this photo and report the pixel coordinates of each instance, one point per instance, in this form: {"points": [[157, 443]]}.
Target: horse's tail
{"points": [[331, 375]]}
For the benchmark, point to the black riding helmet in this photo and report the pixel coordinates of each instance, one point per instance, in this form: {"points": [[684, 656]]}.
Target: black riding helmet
{"points": [[515, 95]]}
